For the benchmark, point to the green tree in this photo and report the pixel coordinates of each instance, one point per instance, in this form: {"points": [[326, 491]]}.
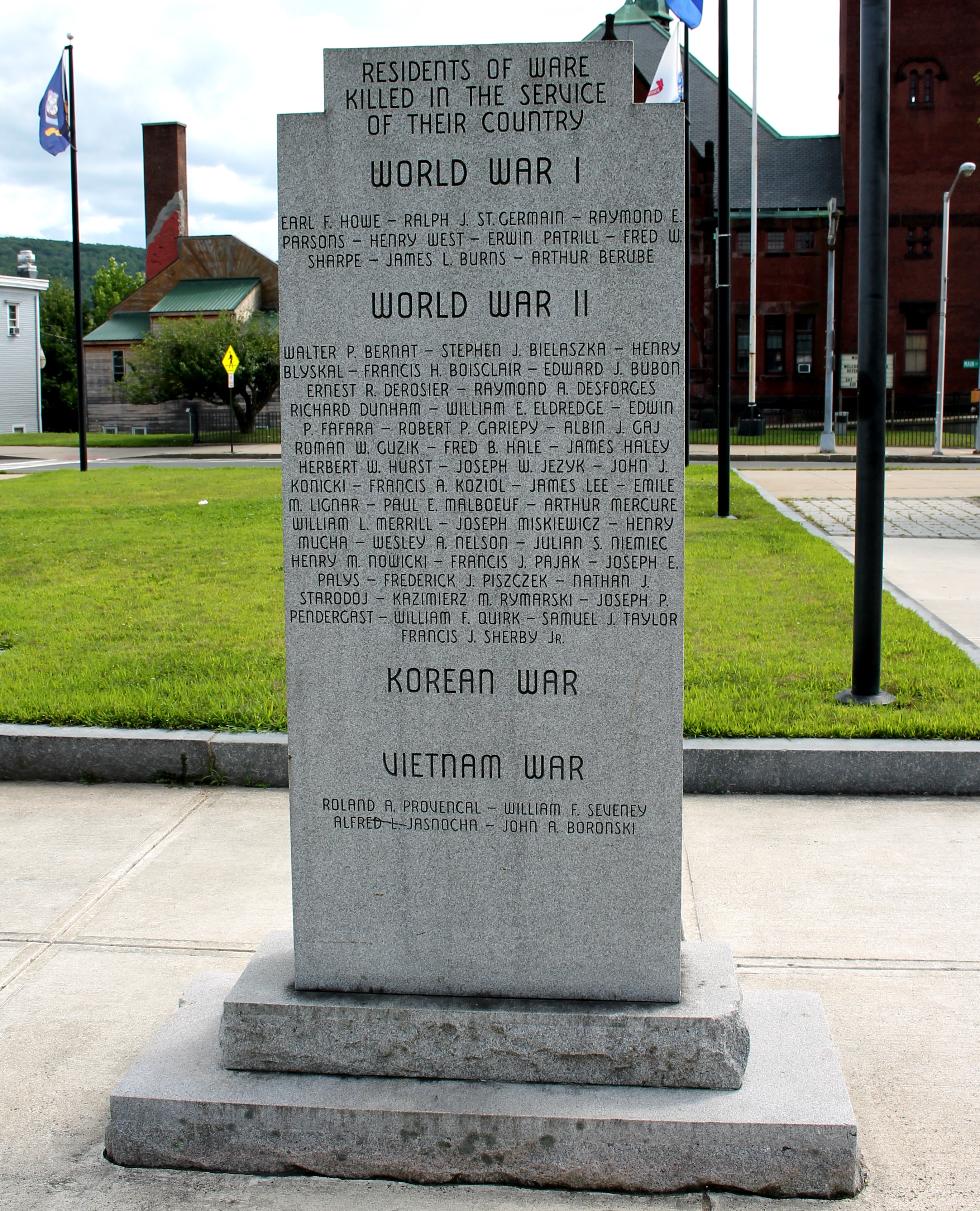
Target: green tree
{"points": [[59, 383], [181, 359], [110, 285]]}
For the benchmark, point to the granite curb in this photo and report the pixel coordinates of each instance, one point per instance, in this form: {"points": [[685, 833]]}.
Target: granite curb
{"points": [[711, 766]]}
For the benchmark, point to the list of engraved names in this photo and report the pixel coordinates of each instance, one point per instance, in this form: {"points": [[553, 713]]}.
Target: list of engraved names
{"points": [[482, 391]]}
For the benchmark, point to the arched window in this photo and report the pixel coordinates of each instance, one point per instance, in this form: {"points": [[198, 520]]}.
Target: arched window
{"points": [[921, 75]]}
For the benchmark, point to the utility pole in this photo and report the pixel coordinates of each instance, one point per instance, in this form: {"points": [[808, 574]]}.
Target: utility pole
{"points": [[723, 275]]}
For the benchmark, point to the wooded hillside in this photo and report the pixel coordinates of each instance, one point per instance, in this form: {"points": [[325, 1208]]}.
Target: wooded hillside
{"points": [[54, 257]]}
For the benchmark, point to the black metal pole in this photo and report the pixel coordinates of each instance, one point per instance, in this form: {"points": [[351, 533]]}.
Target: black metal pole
{"points": [[687, 250], [723, 273], [872, 354], [76, 257]]}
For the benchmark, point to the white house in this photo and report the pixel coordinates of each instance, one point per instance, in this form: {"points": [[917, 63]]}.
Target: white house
{"points": [[20, 354]]}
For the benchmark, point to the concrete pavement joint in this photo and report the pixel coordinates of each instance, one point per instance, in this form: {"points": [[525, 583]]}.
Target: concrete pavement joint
{"points": [[694, 898], [90, 900], [771, 962], [139, 944]]}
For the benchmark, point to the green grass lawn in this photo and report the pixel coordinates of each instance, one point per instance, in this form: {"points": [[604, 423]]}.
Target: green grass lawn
{"points": [[96, 439], [123, 601]]}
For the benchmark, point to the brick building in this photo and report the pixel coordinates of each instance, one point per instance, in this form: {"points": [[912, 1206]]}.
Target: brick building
{"points": [[935, 126], [935, 111], [186, 276]]}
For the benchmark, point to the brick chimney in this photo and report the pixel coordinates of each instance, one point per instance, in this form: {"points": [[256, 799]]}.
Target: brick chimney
{"points": [[165, 191]]}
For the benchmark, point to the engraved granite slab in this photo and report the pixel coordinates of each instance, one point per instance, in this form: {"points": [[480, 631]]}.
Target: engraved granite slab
{"points": [[481, 271], [699, 1042], [789, 1131]]}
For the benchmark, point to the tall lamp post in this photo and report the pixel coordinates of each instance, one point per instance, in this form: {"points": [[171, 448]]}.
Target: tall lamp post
{"points": [[827, 443], [966, 169]]}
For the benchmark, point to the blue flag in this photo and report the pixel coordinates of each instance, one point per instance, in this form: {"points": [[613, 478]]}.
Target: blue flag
{"points": [[689, 11], [53, 128]]}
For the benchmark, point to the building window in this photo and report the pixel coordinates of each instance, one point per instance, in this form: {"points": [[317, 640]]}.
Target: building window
{"points": [[118, 366], [13, 327], [743, 242], [918, 243], [741, 344], [921, 88], [775, 353], [775, 241], [916, 350], [803, 343], [922, 82], [925, 87], [806, 241]]}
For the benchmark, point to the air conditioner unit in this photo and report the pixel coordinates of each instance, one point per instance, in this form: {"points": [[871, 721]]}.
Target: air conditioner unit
{"points": [[804, 367], [13, 330]]}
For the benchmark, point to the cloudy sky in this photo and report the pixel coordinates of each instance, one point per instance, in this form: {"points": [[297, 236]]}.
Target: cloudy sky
{"points": [[226, 69]]}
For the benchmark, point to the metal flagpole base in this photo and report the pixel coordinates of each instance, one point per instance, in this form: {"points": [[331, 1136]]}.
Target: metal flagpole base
{"points": [[850, 698], [828, 445]]}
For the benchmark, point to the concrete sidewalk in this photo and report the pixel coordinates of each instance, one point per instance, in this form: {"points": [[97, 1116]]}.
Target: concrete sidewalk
{"points": [[113, 897], [843, 454], [14, 458]]}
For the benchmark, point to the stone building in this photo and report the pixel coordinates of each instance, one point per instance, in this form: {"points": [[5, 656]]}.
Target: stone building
{"points": [[191, 276]]}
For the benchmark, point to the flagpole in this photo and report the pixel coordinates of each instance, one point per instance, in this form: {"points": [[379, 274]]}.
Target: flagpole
{"points": [[76, 265], [723, 275], [687, 250], [754, 212]]}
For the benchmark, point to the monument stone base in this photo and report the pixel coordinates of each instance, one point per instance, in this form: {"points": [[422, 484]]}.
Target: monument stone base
{"points": [[788, 1131], [701, 1042]]}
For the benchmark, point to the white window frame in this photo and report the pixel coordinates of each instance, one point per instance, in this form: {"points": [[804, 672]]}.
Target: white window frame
{"points": [[12, 317]]}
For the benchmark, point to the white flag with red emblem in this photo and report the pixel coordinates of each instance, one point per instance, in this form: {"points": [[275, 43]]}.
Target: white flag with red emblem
{"points": [[668, 80]]}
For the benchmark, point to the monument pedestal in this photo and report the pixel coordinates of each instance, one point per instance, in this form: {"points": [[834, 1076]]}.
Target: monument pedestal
{"points": [[700, 1042], [788, 1131]]}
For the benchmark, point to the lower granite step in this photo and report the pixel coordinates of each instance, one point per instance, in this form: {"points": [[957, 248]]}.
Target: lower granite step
{"points": [[789, 1130]]}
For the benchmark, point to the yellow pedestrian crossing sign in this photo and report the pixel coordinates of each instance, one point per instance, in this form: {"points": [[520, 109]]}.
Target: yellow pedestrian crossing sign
{"points": [[230, 360]]}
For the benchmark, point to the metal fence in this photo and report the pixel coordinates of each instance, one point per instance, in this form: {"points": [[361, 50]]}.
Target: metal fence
{"points": [[780, 427], [217, 427], [774, 427]]}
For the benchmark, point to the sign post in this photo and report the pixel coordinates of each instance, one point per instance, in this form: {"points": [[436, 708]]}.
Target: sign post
{"points": [[230, 361]]}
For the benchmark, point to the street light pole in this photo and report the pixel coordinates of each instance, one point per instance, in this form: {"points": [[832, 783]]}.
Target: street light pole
{"points": [[967, 169], [827, 443]]}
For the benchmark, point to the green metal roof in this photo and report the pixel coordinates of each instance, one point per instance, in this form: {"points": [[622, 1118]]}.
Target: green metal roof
{"points": [[123, 326], [205, 294]]}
